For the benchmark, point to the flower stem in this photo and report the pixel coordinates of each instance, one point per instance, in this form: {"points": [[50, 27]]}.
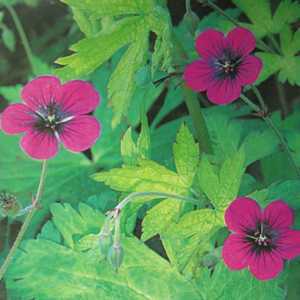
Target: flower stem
{"points": [[198, 120], [260, 43], [22, 34], [188, 6], [276, 131], [134, 195], [26, 222], [282, 100]]}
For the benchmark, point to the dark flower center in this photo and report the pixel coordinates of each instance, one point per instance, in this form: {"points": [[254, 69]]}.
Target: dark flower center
{"points": [[262, 238], [226, 65], [51, 118]]}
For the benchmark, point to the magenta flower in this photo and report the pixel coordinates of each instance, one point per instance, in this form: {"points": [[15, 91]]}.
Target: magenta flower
{"points": [[53, 113], [261, 239], [225, 65]]}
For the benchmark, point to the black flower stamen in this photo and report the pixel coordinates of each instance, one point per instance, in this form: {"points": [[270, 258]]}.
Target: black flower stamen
{"points": [[226, 65], [262, 238], [51, 118]]}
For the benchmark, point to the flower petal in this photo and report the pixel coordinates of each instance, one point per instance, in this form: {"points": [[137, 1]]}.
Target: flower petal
{"points": [[210, 43], [242, 214], [40, 91], [289, 244], [265, 265], [16, 118], [236, 252], [78, 97], [80, 133], [279, 215], [241, 40], [249, 69], [223, 91], [39, 145], [198, 75]]}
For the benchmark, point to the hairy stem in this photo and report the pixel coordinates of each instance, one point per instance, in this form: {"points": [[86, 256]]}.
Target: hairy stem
{"points": [[26, 223], [134, 195], [276, 131], [22, 34]]}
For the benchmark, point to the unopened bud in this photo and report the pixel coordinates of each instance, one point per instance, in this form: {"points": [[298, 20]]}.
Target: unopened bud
{"points": [[9, 205], [115, 256], [105, 242]]}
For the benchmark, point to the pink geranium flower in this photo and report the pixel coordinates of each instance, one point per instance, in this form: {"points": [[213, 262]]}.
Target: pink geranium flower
{"points": [[53, 113], [261, 239], [225, 65]]}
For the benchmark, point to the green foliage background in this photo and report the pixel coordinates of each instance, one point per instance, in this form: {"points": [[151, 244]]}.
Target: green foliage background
{"points": [[127, 49]]}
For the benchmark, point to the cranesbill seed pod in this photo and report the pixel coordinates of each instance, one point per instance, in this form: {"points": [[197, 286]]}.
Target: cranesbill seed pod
{"points": [[115, 256], [9, 205]]}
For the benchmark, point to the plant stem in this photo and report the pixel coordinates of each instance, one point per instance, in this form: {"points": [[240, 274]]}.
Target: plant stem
{"points": [[26, 222], [260, 43], [282, 100], [22, 34], [260, 99], [276, 131], [134, 195], [198, 120], [188, 6]]}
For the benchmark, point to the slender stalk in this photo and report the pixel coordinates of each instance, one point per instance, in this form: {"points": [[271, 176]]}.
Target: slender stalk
{"points": [[260, 43], [282, 100], [188, 6], [134, 195], [26, 222], [198, 120], [22, 34], [276, 131], [260, 99]]}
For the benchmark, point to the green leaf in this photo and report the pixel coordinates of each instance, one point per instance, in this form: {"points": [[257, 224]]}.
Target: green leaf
{"points": [[84, 221], [80, 275], [147, 176], [128, 148], [260, 15], [112, 7], [186, 155], [223, 187], [160, 217], [187, 240], [92, 52], [11, 93], [288, 11], [217, 21], [266, 141], [144, 141], [271, 65], [8, 38], [226, 284], [122, 85]]}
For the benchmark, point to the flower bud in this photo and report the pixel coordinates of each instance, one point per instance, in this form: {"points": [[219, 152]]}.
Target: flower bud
{"points": [[9, 205], [105, 242], [115, 256]]}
